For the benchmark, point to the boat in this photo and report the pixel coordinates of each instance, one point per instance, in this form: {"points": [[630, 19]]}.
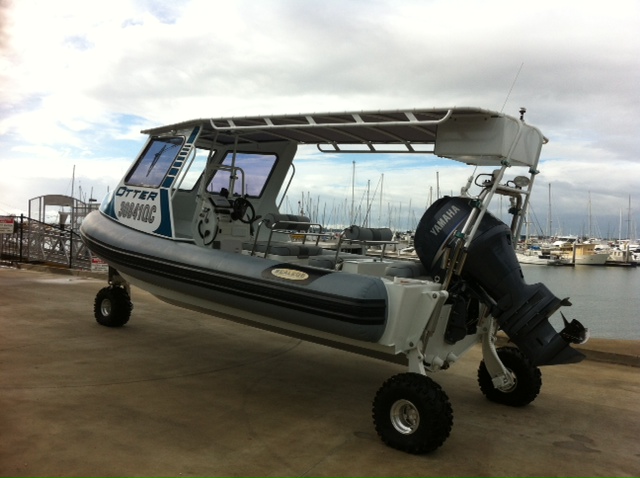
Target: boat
{"points": [[537, 256], [197, 221], [579, 253], [621, 255]]}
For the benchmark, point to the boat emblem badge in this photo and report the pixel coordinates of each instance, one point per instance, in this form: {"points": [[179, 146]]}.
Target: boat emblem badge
{"points": [[290, 274]]}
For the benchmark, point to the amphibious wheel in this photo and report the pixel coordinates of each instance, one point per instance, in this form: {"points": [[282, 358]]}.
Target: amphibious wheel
{"points": [[528, 379], [112, 307], [412, 413]]}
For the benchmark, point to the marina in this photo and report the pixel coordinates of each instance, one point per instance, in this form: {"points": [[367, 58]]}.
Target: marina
{"points": [[271, 239], [574, 252]]}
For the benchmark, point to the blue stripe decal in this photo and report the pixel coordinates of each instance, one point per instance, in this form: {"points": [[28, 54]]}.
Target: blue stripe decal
{"points": [[167, 181], [164, 229], [109, 207], [194, 133]]}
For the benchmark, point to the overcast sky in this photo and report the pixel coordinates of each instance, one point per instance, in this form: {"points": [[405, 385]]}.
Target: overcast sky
{"points": [[80, 79]]}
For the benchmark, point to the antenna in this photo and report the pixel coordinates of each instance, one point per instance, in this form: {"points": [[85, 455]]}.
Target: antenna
{"points": [[512, 85]]}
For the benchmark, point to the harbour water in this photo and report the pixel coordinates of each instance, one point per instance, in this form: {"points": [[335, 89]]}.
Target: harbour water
{"points": [[605, 299]]}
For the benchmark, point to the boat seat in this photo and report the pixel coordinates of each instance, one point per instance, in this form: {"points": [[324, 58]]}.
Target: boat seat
{"points": [[287, 224], [323, 261], [407, 269], [366, 236]]}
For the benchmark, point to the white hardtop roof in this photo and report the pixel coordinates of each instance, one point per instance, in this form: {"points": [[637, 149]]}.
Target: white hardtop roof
{"points": [[470, 135]]}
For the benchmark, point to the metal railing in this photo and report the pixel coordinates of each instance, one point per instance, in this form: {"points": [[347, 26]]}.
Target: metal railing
{"points": [[37, 242]]}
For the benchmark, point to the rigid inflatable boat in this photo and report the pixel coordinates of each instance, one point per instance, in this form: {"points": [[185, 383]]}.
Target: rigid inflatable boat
{"points": [[198, 221]]}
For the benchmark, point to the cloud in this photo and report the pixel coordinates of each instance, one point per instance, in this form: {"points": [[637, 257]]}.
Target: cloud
{"points": [[79, 79]]}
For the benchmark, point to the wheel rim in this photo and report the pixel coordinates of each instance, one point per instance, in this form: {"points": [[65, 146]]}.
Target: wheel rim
{"points": [[405, 417], [105, 307]]}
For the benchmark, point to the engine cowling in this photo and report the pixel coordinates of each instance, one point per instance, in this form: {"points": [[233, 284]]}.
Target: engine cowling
{"points": [[491, 266]]}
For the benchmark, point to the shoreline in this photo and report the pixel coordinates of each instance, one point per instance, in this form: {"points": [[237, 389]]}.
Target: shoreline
{"points": [[616, 351]]}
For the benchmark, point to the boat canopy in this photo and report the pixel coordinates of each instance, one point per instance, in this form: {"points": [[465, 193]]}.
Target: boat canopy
{"points": [[470, 135]]}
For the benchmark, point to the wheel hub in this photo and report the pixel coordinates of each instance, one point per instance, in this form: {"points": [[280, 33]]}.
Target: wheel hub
{"points": [[514, 384], [105, 307], [405, 417]]}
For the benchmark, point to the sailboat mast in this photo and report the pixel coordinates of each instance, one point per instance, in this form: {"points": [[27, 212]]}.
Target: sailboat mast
{"points": [[629, 220], [353, 190], [549, 214], [620, 227], [590, 231], [380, 208], [73, 181], [366, 217]]}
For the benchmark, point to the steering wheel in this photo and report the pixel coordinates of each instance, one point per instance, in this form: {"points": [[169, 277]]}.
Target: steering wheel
{"points": [[243, 211]]}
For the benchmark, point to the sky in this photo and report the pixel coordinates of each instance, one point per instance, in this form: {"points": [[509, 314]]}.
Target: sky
{"points": [[80, 79]]}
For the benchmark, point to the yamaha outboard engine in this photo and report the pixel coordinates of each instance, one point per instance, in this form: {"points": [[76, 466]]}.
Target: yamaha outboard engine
{"points": [[491, 270]]}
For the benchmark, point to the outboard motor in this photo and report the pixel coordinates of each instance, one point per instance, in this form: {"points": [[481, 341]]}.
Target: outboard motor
{"points": [[492, 271]]}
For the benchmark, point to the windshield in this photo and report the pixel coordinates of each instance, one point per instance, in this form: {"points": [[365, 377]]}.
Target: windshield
{"points": [[155, 161], [256, 168]]}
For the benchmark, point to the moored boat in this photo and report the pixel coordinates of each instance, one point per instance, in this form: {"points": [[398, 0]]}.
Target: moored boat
{"points": [[622, 256], [580, 253], [537, 256]]}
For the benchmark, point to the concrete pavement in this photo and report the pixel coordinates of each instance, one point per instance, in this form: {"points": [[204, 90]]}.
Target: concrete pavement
{"points": [[179, 393]]}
